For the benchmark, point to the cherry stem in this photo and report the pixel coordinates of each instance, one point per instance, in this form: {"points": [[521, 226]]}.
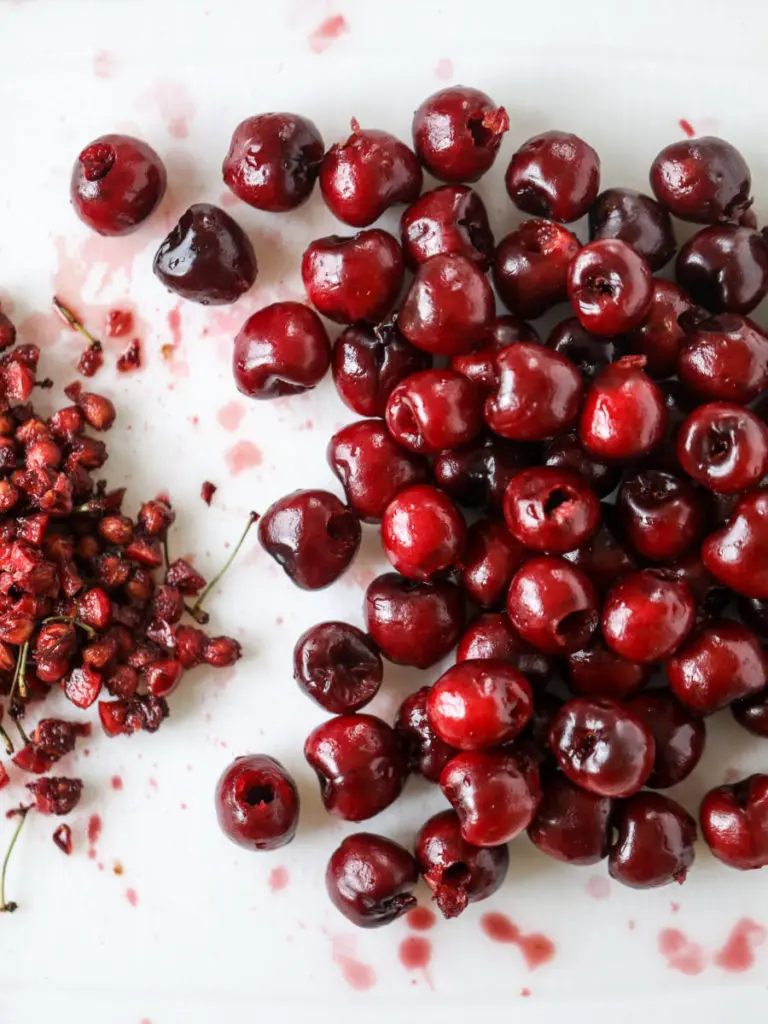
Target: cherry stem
{"points": [[9, 747], [4, 906], [196, 611], [20, 729], [19, 676], [74, 323], [75, 622]]}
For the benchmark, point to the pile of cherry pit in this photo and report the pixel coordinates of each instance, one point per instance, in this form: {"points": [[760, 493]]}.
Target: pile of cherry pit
{"points": [[648, 390]]}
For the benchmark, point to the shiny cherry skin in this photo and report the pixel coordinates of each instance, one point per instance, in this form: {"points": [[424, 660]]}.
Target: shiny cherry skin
{"points": [[659, 337], [734, 823], [447, 307], [661, 515], [589, 354], [413, 623], [480, 364], [365, 175], [491, 635], [566, 453], [610, 287], [553, 605], [353, 278], [273, 161], [704, 180], [457, 872], [207, 257], [550, 510], [636, 219], [655, 841], [623, 415], [476, 474], [494, 794], [603, 558], [571, 824], [337, 666], [282, 349], [597, 671], [257, 803], [426, 753], [479, 704], [117, 182], [433, 410], [602, 746], [723, 447], [360, 765], [372, 467], [725, 359], [457, 133], [647, 615], [448, 221], [555, 175], [710, 596], [538, 394], [312, 535], [369, 361], [422, 532], [722, 662], [724, 268], [752, 714], [490, 559], [737, 554], [530, 267], [370, 880], [678, 732]]}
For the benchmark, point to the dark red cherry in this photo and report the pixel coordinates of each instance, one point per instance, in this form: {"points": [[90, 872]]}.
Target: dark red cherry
{"points": [[530, 267], [425, 751], [273, 161], [550, 510], [623, 415], [207, 257], [647, 615], [724, 268], [752, 713], [734, 823], [566, 453], [480, 364], [534, 739], [571, 824], [353, 278], [338, 666], [457, 133], [476, 474], [554, 175], [491, 635], [117, 182], [610, 287], [368, 364], [282, 349], [725, 359], [737, 554], [257, 803], [370, 880], [655, 842], [448, 221], [722, 662], [679, 734], [553, 605], [703, 180], [422, 532], [433, 410], [603, 558], [490, 559], [661, 515], [724, 447], [589, 354], [597, 671], [710, 596], [413, 623], [659, 337], [636, 219]]}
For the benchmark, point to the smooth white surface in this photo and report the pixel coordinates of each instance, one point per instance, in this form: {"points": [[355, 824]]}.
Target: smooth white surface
{"points": [[208, 939]]}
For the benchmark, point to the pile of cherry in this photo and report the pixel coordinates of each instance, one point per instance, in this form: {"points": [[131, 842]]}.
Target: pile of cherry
{"points": [[648, 390]]}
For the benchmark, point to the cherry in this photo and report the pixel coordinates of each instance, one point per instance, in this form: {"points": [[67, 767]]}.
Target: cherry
{"points": [[372, 467], [422, 532], [610, 287], [597, 671], [480, 364], [353, 278], [494, 794], [724, 447], [725, 359], [479, 704], [679, 735], [734, 822], [491, 557], [426, 753], [752, 713], [457, 872], [368, 364], [476, 474], [491, 635], [370, 880], [661, 515], [636, 219], [754, 613], [530, 267], [283, 349], [724, 268], [117, 182], [413, 623], [554, 175], [590, 355], [360, 765], [566, 453], [711, 598], [550, 510], [571, 824], [737, 554], [647, 615], [655, 842], [434, 409], [602, 746], [273, 161], [312, 535], [364, 176], [659, 337], [337, 666], [552, 605], [207, 257], [538, 394], [447, 307], [703, 180], [448, 221], [257, 803], [623, 415], [457, 133]]}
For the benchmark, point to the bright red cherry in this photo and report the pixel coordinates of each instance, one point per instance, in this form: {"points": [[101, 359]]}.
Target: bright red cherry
{"points": [[636, 219], [703, 180], [679, 734], [448, 221], [491, 635], [610, 287], [623, 415], [659, 337], [282, 349], [491, 557], [426, 753], [737, 554], [722, 662], [338, 666], [655, 842], [725, 359], [433, 410], [553, 605], [422, 532], [480, 364], [555, 175], [647, 615], [724, 447], [530, 267], [370, 880], [257, 803], [661, 515], [413, 623], [734, 822], [368, 364], [353, 278], [571, 824], [457, 133], [550, 510]]}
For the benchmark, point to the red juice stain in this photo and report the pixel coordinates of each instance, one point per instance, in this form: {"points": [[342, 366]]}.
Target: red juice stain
{"points": [[444, 69], [241, 456], [230, 416], [738, 953], [631, 924], [599, 888], [681, 954], [103, 64], [131, 896], [537, 949], [357, 975], [174, 326], [499, 928], [322, 37], [117, 782], [415, 953], [278, 879], [153, 783], [687, 127], [94, 829], [228, 198], [525, 992], [420, 919], [674, 907]]}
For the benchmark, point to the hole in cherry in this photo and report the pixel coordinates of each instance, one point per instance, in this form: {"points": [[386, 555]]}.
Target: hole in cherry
{"points": [[601, 286], [481, 136], [256, 795], [456, 874], [343, 527], [556, 498], [719, 442]]}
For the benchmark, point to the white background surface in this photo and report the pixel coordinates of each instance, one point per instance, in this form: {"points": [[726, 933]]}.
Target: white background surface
{"points": [[208, 939]]}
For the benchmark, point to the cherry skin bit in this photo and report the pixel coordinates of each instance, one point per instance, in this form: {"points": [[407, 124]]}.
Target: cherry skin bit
{"points": [[647, 615], [555, 175], [610, 287], [734, 823], [282, 349], [457, 133], [257, 803], [448, 221], [411, 622], [370, 880], [571, 824], [337, 666], [422, 532], [550, 510], [655, 843]]}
